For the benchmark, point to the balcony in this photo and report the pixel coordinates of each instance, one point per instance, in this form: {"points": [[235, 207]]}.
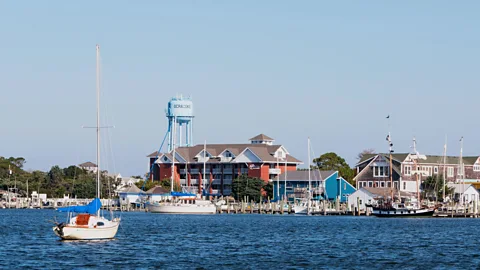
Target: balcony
{"points": [[216, 171], [192, 171], [274, 171], [244, 171], [183, 171]]}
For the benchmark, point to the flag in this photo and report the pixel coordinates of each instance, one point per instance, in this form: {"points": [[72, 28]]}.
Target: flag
{"points": [[388, 137], [388, 116]]}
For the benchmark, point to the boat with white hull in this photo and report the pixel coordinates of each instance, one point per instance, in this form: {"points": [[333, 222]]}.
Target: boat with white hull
{"points": [[199, 207], [89, 224]]}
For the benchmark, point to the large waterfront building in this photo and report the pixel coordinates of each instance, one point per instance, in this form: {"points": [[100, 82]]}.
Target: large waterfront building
{"points": [[223, 163], [373, 170]]}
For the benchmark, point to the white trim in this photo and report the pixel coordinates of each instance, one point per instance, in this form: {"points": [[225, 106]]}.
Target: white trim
{"points": [[233, 155], [208, 155], [242, 153], [368, 165]]}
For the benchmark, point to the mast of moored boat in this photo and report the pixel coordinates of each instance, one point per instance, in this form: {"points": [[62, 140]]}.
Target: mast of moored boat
{"points": [[173, 154], [417, 156], [98, 125], [390, 144], [444, 168], [460, 170], [309, 179], [204, 164]]}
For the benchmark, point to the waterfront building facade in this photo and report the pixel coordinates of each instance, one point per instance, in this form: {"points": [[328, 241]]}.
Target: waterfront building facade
{"points": [[217, 165], [327, 185], [373, 170]]}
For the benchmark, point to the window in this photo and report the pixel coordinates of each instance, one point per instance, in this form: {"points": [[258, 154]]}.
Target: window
{"points": [[380, 171], [404, 185], [389, 184], [228, 154], [407, 169], [382, 184], [345, 186], [476, 168], [435, 169], [427, 170], [370, 184], [450, 171]]}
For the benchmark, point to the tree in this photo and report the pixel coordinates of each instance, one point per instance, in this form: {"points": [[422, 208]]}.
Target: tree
{"points": [[165, 183], [247, 186], [268, 190], [368, 151], [331, 161], [148, 185], [432, 187]]}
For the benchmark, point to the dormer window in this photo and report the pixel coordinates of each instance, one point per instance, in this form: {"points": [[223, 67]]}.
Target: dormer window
{"points": [[165, 158], [476, 167]]}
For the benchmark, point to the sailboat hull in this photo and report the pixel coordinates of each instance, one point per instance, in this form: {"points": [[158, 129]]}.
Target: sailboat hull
{"points": [[93, 231], [300, 210], [182, 208]]}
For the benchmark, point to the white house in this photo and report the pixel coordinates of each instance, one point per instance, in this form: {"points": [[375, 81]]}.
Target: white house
{"points": [[466, 191], [358, 199], [368, 195], [89, 166], [131, 194]]}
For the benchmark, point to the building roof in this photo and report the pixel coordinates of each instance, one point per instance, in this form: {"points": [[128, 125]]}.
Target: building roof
{"points": [[263, 151], [315, 175], [131, 189], [88, 164], [157, 190], [385, 191], [460, 188], [400, 157], [431, 159], [261, 137]]}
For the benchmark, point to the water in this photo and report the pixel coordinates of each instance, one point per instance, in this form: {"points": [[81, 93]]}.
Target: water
{"points": [[155, 241]]}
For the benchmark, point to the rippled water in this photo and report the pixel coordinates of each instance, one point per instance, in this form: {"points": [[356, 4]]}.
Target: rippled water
{"points": [[147, 240]]}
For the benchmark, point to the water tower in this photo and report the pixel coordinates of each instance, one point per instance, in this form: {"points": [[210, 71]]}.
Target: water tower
{"points": [[180, 119]]}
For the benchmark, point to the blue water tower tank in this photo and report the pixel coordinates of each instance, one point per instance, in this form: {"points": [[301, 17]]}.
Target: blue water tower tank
{"points": [[180, 122]]}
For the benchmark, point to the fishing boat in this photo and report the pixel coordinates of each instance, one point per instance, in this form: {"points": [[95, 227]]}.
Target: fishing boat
{"points": [[89, 224], [389, 207]]}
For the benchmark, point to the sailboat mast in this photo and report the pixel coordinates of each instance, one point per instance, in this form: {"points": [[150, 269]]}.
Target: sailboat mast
{"points": [[417, 156], [309, 200], [460, 168], [391, 165], [309, 177], [444, 168], [173, 153], [98, 124], [204, 163]]}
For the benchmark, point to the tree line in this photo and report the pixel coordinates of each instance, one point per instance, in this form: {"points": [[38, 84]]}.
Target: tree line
{"points": [[56, 183]]}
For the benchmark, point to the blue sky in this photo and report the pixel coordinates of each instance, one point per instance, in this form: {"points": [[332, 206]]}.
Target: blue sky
{"points": [[290, 69]]}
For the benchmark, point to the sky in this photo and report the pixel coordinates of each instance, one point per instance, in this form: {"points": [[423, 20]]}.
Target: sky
{"points": [[328, 70]]}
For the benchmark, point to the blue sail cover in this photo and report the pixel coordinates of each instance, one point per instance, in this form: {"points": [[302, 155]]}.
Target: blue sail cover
{"points": [[90, 208], [181, 194]]}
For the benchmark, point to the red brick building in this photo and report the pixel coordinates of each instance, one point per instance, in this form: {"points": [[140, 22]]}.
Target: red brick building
{"points": [[223, 163]]}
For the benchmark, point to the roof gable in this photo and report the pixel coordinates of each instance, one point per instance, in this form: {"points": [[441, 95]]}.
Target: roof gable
{"points": [[247, 156]]}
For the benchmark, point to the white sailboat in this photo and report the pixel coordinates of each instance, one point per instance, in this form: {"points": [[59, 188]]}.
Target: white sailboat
{"points": [[183, 202], [89, 224], [304, 208]]}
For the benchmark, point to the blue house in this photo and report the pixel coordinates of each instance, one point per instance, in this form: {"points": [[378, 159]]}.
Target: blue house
{"points": [[325, 185]]}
